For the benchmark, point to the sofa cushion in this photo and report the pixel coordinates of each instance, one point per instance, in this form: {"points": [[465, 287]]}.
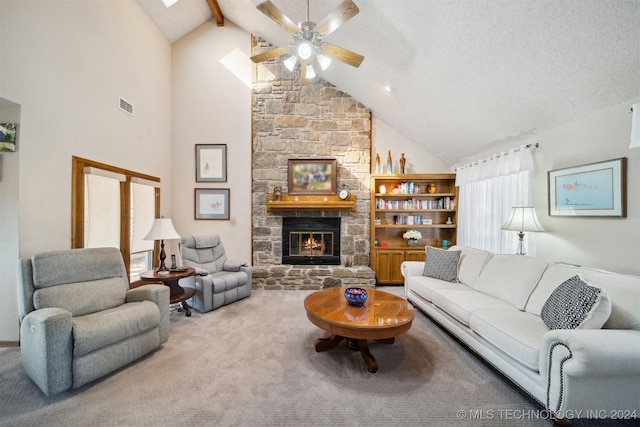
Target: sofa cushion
{"points": [[553, 276], [207, 257], [472, 261], [575, 304], [621, 289], [225, 281], [516, 333], [69, 266], [107, 327], [424, 286], [441, 264], [83, 297], [461, 303], [205, 241], [511, 278]]}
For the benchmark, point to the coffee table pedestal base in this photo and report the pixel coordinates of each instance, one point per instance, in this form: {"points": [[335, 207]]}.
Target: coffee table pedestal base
{"points": [[323, 344]]}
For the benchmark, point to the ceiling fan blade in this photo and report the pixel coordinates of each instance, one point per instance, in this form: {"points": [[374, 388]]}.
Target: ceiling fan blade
{"points": [[276, 15], [270, 54], [342, 54], [345, 11]]}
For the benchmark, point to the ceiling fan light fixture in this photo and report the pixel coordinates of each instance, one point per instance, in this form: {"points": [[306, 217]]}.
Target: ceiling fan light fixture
{"points": [[290, 62], [308, 48], [324, 61], [305, 50], [310, 74]]}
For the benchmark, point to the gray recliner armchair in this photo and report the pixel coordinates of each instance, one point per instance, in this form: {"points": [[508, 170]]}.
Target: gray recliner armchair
{"points": [[219, 281], [80, 321]]}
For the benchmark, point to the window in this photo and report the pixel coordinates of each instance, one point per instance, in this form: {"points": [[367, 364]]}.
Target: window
{"points": [[142, 214], [101, 208], [488, 190], [115, 207]]}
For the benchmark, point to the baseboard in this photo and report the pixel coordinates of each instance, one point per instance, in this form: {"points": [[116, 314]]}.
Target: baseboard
{"points": [[9, 343]]}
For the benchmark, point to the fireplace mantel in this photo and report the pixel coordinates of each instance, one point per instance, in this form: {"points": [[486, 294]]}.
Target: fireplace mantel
{"points": [[311, 202]]}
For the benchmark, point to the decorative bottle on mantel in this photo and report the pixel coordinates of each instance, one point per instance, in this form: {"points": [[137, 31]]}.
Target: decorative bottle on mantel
{"points": [[403, 162], [389, 162], [378, 164]]}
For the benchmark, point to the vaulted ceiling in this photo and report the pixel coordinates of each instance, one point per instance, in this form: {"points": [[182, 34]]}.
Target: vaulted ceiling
{"points": [[465, 75]]}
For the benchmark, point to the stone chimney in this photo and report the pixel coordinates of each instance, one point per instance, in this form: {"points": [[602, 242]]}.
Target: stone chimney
{"points": [[291, 121]]}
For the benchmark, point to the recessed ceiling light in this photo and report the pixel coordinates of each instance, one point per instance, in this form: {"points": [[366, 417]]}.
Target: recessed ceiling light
{"points": [[169, 3], [387, 87]]}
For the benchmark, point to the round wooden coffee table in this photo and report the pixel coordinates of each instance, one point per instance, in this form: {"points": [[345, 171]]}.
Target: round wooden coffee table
{"points": [[171, 279], [383, 317]]}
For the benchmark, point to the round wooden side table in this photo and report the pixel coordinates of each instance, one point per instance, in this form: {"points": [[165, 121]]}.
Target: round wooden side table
{"points": [[171, 279]]}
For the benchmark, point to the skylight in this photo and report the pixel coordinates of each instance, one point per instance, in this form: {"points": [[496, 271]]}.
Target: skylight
{"points": [[169, 3]]}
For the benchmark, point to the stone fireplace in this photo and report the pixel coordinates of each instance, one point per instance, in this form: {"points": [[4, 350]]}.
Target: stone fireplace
{"points": [[318, 121]]}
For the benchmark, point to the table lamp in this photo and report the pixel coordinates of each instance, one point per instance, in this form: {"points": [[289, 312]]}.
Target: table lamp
{"points": [[521, 219], [162, 229]]}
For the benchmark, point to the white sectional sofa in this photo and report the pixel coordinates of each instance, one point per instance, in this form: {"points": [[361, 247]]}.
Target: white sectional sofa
{"points": [[494, 306]]}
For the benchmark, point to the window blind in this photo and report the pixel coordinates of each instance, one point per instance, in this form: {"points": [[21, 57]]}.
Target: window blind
{"points": [[101, 211]]}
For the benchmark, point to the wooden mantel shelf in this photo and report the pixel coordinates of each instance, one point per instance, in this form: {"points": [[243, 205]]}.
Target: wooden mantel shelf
{"points": [[310, 202]]}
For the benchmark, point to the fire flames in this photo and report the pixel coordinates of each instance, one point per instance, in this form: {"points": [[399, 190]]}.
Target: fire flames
{"points": [[313, 246]]}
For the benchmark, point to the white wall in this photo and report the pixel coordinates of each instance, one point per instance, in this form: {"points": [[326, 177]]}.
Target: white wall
{"points": [[385, 138], [608, 243], [9, 201], [212, 106], [66, 63]]}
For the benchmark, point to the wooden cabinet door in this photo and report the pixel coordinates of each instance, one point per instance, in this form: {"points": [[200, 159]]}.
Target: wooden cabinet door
{"points": [[387, 267], [415, 256]]}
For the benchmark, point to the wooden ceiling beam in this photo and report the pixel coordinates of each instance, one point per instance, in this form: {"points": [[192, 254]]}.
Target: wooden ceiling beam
{"points": [[217, 13]]}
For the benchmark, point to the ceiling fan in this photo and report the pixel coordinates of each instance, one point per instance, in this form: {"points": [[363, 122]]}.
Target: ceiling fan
{"points": [[308, 47]]}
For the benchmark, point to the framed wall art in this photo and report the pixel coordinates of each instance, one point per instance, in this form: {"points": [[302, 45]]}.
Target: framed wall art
{"points": [[595, 189], [211, 203], [312, 176], [211, 162], [8, 133]]}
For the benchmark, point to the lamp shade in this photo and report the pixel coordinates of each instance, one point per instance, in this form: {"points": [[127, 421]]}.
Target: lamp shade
{"points": [[162, 229], [523, 218]]}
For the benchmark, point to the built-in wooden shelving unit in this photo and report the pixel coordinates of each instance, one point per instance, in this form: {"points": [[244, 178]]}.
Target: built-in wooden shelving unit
{"points": [[423, 202]]}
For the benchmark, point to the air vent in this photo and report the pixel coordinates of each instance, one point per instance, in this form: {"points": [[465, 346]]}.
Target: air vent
{"points": [[125, 106]]}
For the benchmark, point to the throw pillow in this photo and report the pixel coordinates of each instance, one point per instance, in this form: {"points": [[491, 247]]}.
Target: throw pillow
{"points": [[575, 304], [442, 264]]}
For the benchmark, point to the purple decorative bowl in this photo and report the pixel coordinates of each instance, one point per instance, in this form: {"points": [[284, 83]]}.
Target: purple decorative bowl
{"points": [[355, 296]]}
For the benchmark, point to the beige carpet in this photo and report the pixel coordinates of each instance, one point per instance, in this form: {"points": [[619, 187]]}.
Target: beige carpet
{"points": [[252, 363]]}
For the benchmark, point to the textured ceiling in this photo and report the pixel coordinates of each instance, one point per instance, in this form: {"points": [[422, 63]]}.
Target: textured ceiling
{"points": [[465, 75]]}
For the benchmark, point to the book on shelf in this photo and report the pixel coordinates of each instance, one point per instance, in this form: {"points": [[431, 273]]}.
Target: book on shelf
{"points": [[424, 204]]}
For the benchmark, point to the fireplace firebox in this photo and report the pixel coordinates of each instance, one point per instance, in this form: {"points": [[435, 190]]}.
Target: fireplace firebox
{"points": [[310, 241]]}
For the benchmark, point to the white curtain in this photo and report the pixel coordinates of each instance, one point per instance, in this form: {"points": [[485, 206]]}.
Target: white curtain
{"points": [[489, 188]]}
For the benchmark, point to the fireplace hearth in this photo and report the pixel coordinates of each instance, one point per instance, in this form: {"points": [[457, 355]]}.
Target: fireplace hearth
{"points": [[310, 241]]}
